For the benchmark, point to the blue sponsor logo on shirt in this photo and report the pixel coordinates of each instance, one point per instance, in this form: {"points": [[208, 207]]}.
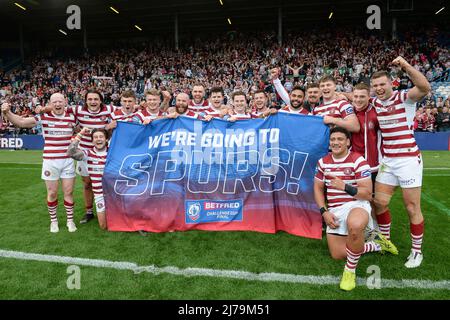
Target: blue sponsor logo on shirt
{"points": [[349, 110], [366, 173]]}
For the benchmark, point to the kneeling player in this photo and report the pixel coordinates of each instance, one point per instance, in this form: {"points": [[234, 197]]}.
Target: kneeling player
{"points": [[95, 160], [343, 178]]}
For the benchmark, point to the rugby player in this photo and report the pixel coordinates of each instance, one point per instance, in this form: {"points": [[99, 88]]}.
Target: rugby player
{"points": [[94, 160], [343, 191], [402, 163], [58, 126], [151, 110]]}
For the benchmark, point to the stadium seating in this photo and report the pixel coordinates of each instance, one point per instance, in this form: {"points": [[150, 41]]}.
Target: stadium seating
{"points": [[441, 89]]}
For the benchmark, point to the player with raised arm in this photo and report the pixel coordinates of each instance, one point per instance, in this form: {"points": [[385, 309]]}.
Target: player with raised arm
{"points": [[313, 93], [343, 191], [402, 163], [296, 98], [58, 126], [95, 160]]}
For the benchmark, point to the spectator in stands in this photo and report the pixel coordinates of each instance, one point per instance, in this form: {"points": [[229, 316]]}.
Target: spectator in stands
{"points": [[443, 120], [430, 121], [237, 62], [420, 120], [440, 102]]}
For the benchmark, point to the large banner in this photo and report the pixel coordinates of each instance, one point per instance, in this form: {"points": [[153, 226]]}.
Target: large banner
{"points": [[186, 174]]}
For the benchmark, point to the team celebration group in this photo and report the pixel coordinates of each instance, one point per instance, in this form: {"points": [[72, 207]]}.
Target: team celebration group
{"points": [[372, 151]]}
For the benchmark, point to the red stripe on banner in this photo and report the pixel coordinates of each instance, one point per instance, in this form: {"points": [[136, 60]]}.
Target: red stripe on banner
{"points": [[300, 222]]}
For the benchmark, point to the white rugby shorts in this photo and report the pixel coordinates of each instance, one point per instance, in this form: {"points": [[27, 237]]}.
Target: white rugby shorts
{"points": [[342, 212], [82, 169], [55, 169], [405, 172]]}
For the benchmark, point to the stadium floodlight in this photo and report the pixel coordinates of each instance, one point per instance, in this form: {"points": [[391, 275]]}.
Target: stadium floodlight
{"points": [[137, 27], [331, 14], [229, 21], [221, 2], [114, 9], [63, 32], [440, 10], [20, 6]]}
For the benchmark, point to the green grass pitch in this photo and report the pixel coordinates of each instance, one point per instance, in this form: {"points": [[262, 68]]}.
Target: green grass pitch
{"points": [[24, 224]]}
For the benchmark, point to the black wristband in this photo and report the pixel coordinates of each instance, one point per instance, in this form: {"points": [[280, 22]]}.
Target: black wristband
{"points": [[351, 190], [323, 210]]}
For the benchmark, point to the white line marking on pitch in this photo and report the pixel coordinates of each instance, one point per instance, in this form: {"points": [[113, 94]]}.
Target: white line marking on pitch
{"points": [[232, 274], [20, 162]]}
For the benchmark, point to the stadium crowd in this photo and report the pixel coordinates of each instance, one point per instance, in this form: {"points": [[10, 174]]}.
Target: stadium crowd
{"points": [[234, 61]]}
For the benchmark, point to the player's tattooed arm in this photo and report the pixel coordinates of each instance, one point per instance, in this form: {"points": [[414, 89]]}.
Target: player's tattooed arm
{"points": [[74, 152]]}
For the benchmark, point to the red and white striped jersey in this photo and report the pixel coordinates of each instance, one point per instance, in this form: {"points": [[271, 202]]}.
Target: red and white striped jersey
{"points": [[244, 116], [57, 132], [190, 114], [144, 114], [396, 120], [336, 109], [197, 107], [257, 114], [294, 111], [95, 161], [92, 120], [120, 115], [350, 169], [215, 113]]}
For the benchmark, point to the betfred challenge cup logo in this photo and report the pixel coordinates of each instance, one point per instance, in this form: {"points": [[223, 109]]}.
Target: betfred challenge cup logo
{"points": [[194, 211]]}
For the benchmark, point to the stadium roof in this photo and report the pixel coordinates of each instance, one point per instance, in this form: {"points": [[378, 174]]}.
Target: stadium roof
{"points": [[43, 18]]}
